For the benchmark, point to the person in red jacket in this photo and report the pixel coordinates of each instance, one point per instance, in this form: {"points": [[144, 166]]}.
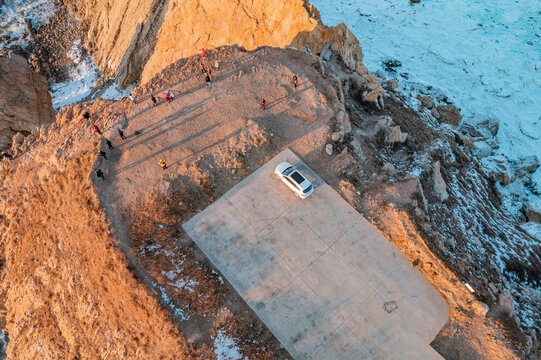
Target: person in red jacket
{"points": [[167, 98], [96, 129], [203, 52], [262, 104]]}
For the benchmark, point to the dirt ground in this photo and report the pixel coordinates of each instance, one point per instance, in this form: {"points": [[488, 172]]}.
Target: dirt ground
{"points": [[211, 137]]}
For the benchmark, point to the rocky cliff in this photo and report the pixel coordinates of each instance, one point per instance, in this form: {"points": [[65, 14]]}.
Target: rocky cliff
{"points": [[136, 39], [25, 104]]}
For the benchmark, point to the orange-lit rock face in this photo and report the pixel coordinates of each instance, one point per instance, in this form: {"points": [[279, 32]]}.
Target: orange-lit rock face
{"points": [[25, 103], [137, 40]]}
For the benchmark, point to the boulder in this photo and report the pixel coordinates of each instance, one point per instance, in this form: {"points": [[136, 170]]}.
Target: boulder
{"points": [[435, 113], [440, 188], [498, 169], [328, 149], [396, 135], [388, 169], [526, 166], [480, 126], [390, 85], [533, 214], [338, 136], [482, 149], [342, 118], [343, 163], [449, 114], [426, 101], [506, 303]]}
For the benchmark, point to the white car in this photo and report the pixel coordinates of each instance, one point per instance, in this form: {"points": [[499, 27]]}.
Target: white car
{"points": [[294, 179]]}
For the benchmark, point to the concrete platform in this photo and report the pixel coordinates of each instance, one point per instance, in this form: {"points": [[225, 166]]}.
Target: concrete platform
{"points": [[317, 273]]}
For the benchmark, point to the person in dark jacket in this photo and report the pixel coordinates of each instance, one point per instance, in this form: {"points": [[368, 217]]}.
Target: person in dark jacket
{"points": [[121, 133], [99, 174]]}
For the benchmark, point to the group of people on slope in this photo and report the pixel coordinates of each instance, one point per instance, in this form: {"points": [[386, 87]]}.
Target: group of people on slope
{"points": [[169, 97]]}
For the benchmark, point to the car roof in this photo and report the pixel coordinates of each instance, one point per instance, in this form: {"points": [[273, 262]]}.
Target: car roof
{"points": [[297, 177]]}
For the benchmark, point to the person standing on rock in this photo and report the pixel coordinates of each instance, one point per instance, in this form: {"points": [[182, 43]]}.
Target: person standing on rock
{"points": [[103, 154], [86, 115], [202, 67], [99, 174], [154, 101], [121, 133], [109, 145], [262, 104], [294, 81], [162, 164], [96, 129], [207, 79], [203, 52], [167, 97], [209, 73], [171, 95]]}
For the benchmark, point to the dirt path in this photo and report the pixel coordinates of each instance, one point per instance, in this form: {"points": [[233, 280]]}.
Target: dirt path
{"points": [[210, 138]]}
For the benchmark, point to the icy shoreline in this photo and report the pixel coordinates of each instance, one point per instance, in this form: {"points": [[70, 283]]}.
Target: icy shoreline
{"points": [[485, 56]]}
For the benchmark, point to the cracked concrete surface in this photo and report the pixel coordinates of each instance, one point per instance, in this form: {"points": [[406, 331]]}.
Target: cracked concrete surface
{"points": [[317, 273]]}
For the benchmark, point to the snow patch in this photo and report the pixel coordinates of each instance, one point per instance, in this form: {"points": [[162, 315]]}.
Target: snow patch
{"points": [[226, 348], [112, 93], [82, 79], [14, 12]]}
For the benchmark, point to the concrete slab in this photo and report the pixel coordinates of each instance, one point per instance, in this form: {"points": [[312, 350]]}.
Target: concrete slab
{"points": [[323, 280]]}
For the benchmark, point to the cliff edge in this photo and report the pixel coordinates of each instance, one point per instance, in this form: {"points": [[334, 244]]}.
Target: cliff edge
{"points": [[25, 104], [137, 39]]}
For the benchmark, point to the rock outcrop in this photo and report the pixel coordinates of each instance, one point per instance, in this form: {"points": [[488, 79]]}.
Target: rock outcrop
{"points": [[25, 104], [449, 114], [440, 188], [138, 38], [396, 135]]}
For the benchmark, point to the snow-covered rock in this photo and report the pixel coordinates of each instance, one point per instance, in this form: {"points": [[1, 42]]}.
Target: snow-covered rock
{"points": [[533, 213], [526, 166], [498, 169], [480, 126], [482, 149]]}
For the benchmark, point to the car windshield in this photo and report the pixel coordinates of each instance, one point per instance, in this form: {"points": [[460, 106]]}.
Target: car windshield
{"points": [[287, 171], [299, 179], [307, 190]]}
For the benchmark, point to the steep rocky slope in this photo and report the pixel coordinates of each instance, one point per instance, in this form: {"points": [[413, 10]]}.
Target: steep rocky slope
{"points": [[25, 103], [67, 290], [137, 39]]}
